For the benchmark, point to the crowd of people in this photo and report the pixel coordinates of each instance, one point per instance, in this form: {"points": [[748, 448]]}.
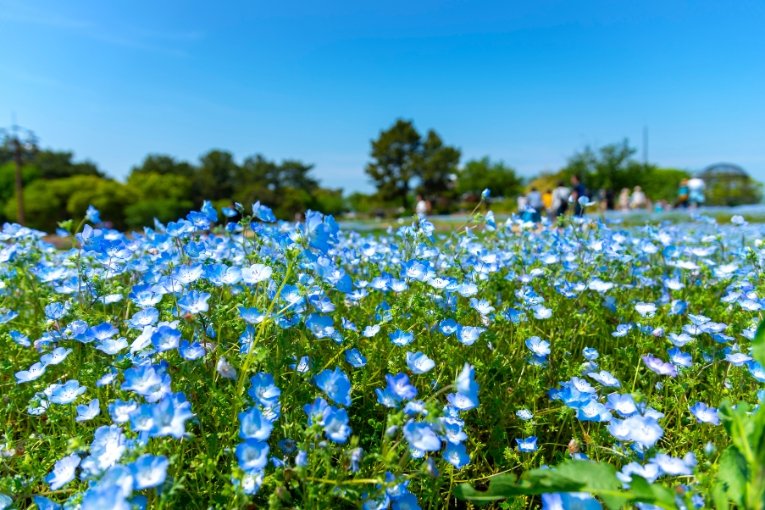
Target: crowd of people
{"points": [[557, 202]]}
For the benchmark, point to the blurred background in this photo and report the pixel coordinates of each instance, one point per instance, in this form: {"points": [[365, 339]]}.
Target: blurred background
{"points": [[367, 109]]}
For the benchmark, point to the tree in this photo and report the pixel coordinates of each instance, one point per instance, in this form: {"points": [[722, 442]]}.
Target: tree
{"points": [[402, 159], [163, 164], [611, 167], [53, 164], [479, 174], [215, 177]]}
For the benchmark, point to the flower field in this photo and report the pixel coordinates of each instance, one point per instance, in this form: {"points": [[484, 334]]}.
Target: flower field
{"points": [[254, 363]]}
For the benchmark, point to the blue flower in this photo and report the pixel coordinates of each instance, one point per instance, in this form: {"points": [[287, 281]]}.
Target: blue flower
{"points": [[165, 338], [149, 471], [527, 445], [336, 385], [263, 390], [355, 358], [401, 338], [253, 425], [252, 455], [66, 393], [63, 472], [466, 397], [419, 363], [194, 302], [336, 425], [92, 215], [456, 455], [421, 436], [263, 212], [88, 411], [705, 414], [538, 346]]}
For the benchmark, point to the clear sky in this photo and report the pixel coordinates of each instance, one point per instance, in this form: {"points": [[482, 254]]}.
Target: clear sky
{"points": [[528, 82]]}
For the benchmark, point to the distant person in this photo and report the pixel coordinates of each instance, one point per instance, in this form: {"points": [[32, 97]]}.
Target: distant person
{"points": [[609, 199], [523, 203], [638, 200], [696, 192], [682, 194], [535, 204], [421, 208], [560, 199], [578, 190], [624, 199], [547, 200]]}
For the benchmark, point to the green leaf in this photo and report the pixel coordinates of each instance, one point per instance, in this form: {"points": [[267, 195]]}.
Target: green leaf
{"points": [[643, 492], [758, 344], [732, 474], [719, 497], [500, 487]]}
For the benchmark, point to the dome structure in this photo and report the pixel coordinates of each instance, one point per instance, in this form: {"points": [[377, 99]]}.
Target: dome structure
{"points": [[718, 170]]}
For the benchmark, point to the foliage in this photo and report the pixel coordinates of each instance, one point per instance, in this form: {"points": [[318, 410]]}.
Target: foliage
{"points": [[480, 174], [732, 190], [206, 363], [401, 160]]}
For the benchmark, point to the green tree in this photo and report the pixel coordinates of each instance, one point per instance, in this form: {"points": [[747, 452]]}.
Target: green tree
{"points": [[53, 164], [610, 167], [479, 174], [396, 155], [401, 159], [53, 200], [163, 164], [732, 190], [164, 196], [215, 177]]}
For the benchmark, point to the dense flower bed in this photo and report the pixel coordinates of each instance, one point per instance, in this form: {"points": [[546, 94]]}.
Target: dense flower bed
{"points": [[210, 364]]}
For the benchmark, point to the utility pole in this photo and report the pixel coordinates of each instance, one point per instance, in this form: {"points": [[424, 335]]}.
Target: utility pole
{"points": [[21, 145]]}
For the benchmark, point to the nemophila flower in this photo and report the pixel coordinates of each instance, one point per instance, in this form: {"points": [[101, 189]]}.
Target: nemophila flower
{"points": [[150, 381], [355, 358], [66, 393], [371, 331], [336, 385], [336, 425], [121, 410], [321, 326], [705, 414], [680, 358], [34, 372], [191, 350], [419, 363], [673, 466], [252, 455], [599, 285], [757, 370], [527, 445], [622, 404], [169, 416], [263, 212], [56, 311], [401, 338], [42, 503], [88, 411], [112, 346], [737, 359], [149, 471], [524, 414], [263, 390], [605, 378], [194, 302], [569, 500], [63, 472], [593, 411], [421, 436], [590, 354], [621, 330], [107, 378], [256, 273], [643, 430], [400, 386], [253, 425], [645, 309], [107, 448], [658, 366], [165, 338], [541, 312], [19, 338], [466, 397], [650, 472], [482, 306], [142, 318], [448, 327], [538, 347], [7, 315], [467, 335], [108, 496], [456, 455], [302, 366]]}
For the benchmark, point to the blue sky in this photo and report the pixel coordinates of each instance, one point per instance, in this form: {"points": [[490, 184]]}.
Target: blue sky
{"points": [[526, 82]]}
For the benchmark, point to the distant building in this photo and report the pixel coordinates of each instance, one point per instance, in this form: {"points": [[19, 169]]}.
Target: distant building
{"points": [[729, 184]]}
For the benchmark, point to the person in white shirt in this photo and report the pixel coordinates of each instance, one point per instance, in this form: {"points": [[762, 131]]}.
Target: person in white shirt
{"points": [[421, 208], [560, 199]]}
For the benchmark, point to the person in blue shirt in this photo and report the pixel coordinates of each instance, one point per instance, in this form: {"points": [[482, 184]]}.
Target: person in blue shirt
{"points": [[578, 190]]}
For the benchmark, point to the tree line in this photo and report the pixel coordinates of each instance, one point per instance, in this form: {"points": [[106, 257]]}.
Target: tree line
{"points": [[402, 163]]}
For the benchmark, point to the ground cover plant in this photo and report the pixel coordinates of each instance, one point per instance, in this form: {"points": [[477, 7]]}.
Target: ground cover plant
{"points": [[233, 364]]}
